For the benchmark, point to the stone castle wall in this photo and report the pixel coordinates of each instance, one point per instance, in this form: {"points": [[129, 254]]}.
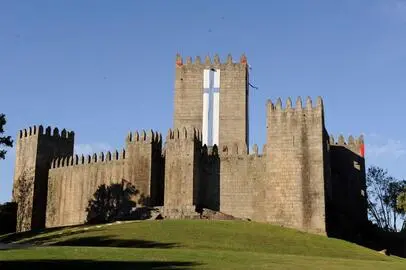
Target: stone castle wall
{"points": [[242, 183], [74, 180], [288, 184]]}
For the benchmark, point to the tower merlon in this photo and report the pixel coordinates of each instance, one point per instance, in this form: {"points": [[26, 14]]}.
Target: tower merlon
{"points": [[354, 144], [38, 130], [351, 140], [255, 149], [94, 158], [144, 136], [208, 61], [234, 150], [185, 133], [278, 107]]}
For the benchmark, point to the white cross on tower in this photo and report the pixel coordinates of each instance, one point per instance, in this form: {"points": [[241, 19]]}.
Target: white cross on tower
{"points": [[211, 97]]}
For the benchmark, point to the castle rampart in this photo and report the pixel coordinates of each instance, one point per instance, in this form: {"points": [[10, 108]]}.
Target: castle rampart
{"points": [[243, 183], [303, 179], [73, 180]]}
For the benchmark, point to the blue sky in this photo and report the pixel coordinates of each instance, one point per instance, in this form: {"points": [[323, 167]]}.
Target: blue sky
{"points": [[103, 68]]}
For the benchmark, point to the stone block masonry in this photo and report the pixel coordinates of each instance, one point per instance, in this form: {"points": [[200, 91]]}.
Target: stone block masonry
{"points": [[242, 183], [74, 180], [35, 150], [182, 173], [233, 97], [144, 165], [302, 179], [295, 165]]}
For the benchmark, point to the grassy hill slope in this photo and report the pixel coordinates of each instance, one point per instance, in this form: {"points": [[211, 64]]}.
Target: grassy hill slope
{"points": [[187, 244]]}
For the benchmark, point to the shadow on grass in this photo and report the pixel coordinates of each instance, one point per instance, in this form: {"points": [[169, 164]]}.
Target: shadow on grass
{"points": [[43, 240], [110, 241], [91, 264], [9, 238]]}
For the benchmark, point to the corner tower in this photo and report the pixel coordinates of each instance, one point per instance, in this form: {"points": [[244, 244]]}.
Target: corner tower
{"points": [[35, 150], [213, 97], [296, 152]]}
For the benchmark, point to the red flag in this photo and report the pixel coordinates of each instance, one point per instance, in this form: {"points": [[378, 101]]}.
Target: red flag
{"points": [[362, 150]]}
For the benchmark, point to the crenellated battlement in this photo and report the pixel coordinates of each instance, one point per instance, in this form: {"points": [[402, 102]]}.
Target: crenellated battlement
{"points": [[240, 150], [76, 160], [300, 107], [39, 131], [354, 144], [187, 134], [144, 137], [208, 61], [233, 150]]}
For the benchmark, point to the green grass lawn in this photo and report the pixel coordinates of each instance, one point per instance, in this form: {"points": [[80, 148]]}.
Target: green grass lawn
{"points": [[187, 244]]}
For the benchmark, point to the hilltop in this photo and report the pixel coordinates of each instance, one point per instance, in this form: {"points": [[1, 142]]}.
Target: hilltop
{"points": [[186, 244]]}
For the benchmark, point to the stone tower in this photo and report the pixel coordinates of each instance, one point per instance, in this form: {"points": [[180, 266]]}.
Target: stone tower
{"points": [[297, 155], [213, 97], [182, 171], [35, 150]]}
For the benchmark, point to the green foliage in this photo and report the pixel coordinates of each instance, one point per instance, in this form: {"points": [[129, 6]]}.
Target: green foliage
{"points": [[4, 140], [191, 244], [383, 191], [401, 201], [401, 206]]}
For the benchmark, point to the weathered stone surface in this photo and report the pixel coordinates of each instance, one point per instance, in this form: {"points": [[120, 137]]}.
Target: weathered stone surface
{"points": [[72, 184], [188, 104], [215, 215], [35, 150], [295, 167], [182, 175]]}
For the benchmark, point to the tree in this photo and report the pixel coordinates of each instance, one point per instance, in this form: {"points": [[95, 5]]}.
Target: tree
{"points": [[4, 140], [383, 191], [401, 205], [394, 189]]}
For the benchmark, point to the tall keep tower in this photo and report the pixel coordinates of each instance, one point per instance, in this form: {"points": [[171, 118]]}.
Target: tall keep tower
{"points": [[213, 97]]}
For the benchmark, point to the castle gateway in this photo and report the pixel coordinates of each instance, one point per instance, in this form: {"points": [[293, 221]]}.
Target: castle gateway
{"points": [[301, 179]]}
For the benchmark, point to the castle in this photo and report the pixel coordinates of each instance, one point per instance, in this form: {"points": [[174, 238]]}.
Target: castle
{"points": [[302, 178]]}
